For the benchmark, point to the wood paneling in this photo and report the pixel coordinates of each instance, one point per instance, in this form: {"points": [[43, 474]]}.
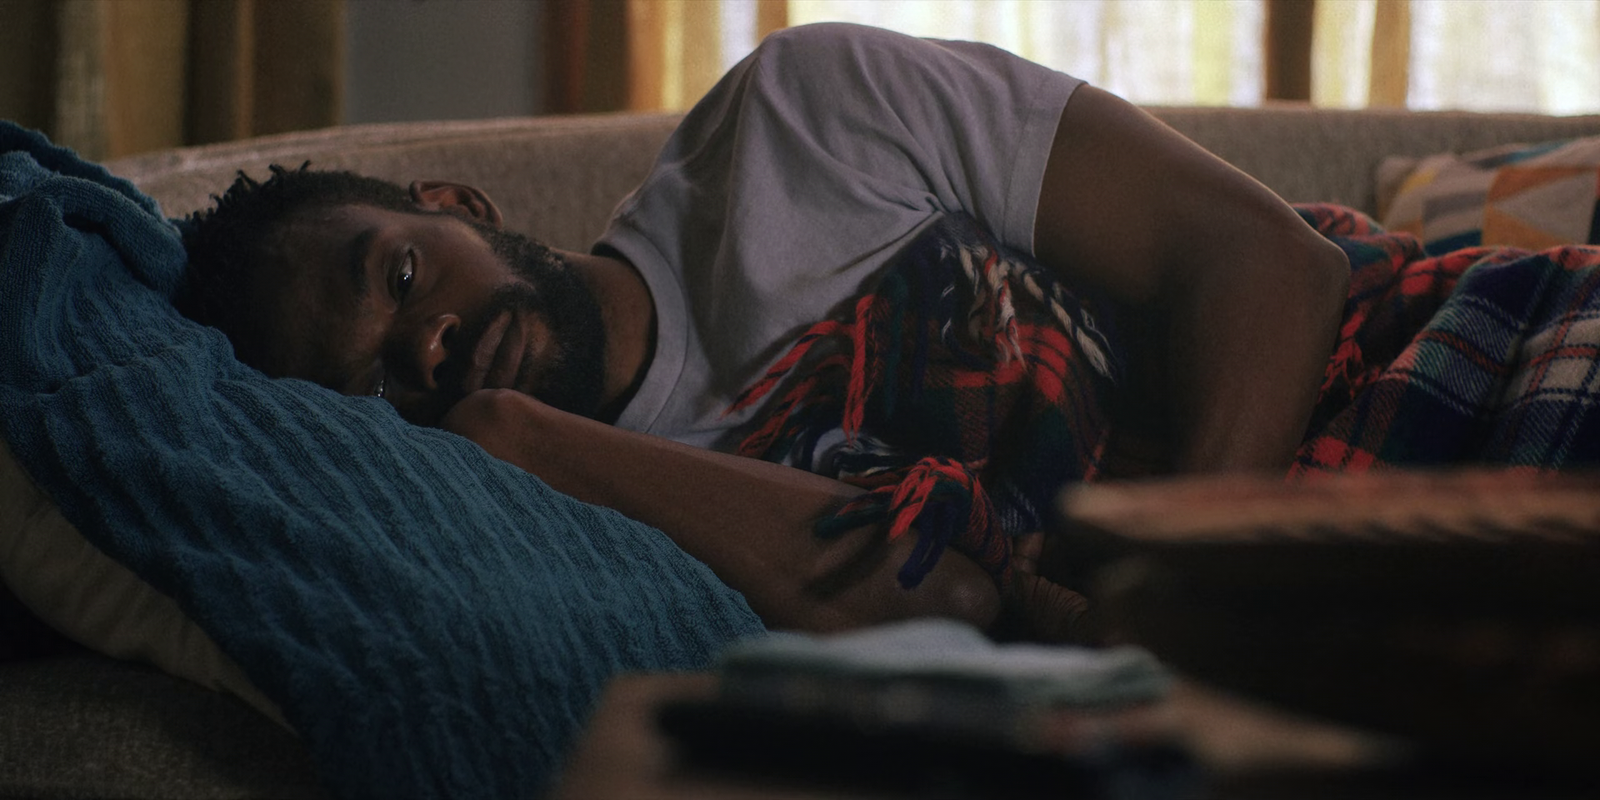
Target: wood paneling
{"points": [[222, 80], [146, 58], [78, 102], [587, 55], [27, 61], [1288, 49], [771, 15], [110, 78], [299, 65]]}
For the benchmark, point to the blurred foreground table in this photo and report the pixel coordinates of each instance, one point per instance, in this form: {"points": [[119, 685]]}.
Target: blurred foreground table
{"points": [[1243, 750]]}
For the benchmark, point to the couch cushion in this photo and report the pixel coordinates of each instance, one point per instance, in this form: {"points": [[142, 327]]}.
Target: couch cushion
{"points": [[1328, 155], [1533, 196], [89, 727], [556, 178], [560, 177], [55, 580], [23, 635]]}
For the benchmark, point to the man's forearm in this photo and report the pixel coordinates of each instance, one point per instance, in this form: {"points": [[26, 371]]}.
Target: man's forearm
{"points": [[750, 521]]}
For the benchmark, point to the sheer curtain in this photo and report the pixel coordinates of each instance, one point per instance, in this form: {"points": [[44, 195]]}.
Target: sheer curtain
{"points": [[1484, 55], [1210, 50], [1522, 55], [678, 48]]}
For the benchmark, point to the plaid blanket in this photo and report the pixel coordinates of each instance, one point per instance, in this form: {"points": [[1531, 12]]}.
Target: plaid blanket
{"points": [[961, 393], [1482, 355], [969, 384]]}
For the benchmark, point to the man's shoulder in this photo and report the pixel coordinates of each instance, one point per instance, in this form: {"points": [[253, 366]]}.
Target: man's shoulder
{"points": [[823, 44], [832, 34]]}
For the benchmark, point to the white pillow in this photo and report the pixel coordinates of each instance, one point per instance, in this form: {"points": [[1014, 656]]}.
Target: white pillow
{"points": [[73, 587]]}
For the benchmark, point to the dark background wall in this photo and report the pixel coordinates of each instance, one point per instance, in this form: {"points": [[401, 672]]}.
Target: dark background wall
{"points": [[116, 77], [442, 59]]}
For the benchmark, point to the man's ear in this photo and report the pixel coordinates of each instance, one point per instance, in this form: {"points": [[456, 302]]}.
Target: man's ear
{"points": [[456, 198]]}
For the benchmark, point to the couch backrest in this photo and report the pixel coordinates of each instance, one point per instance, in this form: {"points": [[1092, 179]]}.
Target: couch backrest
{"points": [[557, 178], [1332, 155], [560, 177]]}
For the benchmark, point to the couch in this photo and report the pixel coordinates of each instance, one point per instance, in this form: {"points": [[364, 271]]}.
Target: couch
{"points": [[85, 719]]}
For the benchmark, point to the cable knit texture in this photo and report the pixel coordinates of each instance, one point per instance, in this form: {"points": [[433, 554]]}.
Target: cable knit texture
{"points": [[433, 622]]}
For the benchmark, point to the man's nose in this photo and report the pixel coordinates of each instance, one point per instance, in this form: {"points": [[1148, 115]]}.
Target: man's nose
{"points": [[428, 345]]}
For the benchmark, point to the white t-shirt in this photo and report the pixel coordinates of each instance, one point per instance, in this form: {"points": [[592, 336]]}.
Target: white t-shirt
{"points": [[800, 175]]}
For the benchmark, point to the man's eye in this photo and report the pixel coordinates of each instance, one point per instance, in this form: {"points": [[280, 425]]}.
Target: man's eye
{"points": [[402, 279], [382, 388]]}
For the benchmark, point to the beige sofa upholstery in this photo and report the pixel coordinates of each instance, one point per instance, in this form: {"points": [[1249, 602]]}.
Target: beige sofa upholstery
{"points": [[559, 178], [147, 735]]}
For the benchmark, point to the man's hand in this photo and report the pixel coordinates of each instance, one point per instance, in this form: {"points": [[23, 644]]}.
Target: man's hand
{"points": [[1036, 609]]}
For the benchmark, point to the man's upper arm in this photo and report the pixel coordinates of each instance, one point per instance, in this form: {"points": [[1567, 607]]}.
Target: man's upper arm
{"points": [[1127, 203], [1238, 300]]}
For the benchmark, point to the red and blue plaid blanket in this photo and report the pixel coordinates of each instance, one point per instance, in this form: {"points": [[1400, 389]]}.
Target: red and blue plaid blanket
{"points": [[1484, 355], [970, 385]]}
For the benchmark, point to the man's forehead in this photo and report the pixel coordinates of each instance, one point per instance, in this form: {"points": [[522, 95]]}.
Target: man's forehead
{"points": [[328, 221], [330, 225], [311, 292], [320, 276]]}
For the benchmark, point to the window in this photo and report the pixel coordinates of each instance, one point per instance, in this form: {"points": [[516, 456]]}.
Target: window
{"points": [[1527, 55]]}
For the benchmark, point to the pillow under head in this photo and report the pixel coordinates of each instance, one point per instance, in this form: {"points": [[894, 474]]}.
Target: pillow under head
{"points": [[432, 621]]}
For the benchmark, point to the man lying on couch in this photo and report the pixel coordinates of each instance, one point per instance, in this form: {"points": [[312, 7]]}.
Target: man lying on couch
{"points": [[832, 267], [782, 200], [435, 621]]}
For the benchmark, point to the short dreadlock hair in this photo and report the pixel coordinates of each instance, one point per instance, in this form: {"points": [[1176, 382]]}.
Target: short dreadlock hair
{"points": [[226, 243]]}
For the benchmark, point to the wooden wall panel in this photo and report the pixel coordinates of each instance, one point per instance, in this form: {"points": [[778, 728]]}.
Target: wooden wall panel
{"points": [[566, 33], [605, 84], [771, 15], [78, 102], [27, 61], [1288, 49], [588, 53], [146, 77], [299, 65], [264, 66], [222, 70], [646, 77], [110, 78]]}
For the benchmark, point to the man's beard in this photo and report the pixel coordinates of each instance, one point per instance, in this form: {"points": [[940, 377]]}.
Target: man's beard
{"points": [[548, 288]]}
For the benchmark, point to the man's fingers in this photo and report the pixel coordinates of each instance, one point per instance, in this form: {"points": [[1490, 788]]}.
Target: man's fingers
{"points": [[1042, 611], [1025, 550]]}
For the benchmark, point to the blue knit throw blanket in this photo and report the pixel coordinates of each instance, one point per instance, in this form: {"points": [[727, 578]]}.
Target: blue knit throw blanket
{"points": [[433, 622]]}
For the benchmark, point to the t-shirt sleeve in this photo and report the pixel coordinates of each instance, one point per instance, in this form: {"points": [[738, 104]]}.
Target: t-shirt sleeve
{"points": [[786, 190], [960, 125]]}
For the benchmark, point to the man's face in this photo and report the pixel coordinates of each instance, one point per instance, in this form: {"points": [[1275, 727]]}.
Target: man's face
{"points": [[423, 309]]}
